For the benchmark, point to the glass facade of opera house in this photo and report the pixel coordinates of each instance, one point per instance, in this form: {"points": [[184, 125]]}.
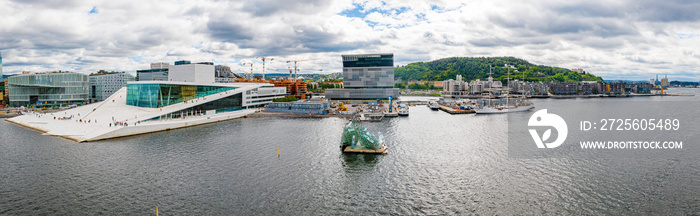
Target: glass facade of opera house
{"points": [[159, 95]]}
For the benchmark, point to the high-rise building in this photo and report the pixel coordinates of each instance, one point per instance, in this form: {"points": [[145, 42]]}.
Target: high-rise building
{"points": [[366, 76], [665, 83], [0, 66], [48, 89], [103, 85]]}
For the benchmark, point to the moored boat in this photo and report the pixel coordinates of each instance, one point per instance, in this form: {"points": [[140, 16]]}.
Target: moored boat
{"points": [[433, 105], [403, 109]]}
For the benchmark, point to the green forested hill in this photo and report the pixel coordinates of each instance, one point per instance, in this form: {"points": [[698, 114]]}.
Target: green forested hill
{"points": [[478, 68]]}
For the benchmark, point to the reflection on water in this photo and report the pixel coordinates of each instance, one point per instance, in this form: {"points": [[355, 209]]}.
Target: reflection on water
{"points": [[360, 162]]}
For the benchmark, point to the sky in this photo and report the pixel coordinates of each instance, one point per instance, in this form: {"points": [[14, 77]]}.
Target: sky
{"points": [[626, 39]]}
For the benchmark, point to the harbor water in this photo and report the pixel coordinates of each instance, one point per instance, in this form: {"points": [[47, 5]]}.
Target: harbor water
{"points": [[437, 164]]}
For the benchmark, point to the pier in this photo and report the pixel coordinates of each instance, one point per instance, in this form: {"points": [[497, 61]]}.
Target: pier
{"points": [[450, 110]]}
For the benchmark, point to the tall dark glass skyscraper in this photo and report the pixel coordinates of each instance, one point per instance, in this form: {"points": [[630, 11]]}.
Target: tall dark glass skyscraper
{"points": [[366, 77]]}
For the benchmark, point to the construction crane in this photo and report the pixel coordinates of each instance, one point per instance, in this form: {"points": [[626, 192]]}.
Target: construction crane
{"points": [[264, 59], [245, 63], [295, 66], [263, 69]]}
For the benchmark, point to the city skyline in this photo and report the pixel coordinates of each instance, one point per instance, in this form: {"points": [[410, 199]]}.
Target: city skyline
{"points": [[623, 40]]}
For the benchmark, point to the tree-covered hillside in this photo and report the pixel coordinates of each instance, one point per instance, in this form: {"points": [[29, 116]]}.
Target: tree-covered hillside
{"points": [[478, 68]]}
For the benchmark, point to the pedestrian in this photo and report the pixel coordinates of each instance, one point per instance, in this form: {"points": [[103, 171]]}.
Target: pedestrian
{"points": [[110, 124]]}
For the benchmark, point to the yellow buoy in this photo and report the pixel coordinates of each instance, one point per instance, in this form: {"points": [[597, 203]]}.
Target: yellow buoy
{"points": [[278, 152], [156, 210]]}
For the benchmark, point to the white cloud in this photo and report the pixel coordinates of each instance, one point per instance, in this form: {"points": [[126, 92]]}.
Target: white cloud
{"points": [[618, 40]]}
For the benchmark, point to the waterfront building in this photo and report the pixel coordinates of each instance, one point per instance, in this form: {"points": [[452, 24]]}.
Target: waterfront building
{"points": [[597, 87], [475, 87], [321, 107], [366, 77], [642, 88], [527, 88], [103, 84], [478, 86], [455, 88], [563, 88], [48, 89], [616, 87], [584, 88]]}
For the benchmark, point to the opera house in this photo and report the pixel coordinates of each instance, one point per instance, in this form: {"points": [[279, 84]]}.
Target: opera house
{"points": [[189, 97]]}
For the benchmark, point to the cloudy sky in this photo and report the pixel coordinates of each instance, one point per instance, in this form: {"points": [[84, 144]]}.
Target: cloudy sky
{"points": [[633, 39]]}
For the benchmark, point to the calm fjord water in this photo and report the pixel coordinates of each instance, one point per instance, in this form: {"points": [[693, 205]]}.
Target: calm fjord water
{"points": [[437, 164]]}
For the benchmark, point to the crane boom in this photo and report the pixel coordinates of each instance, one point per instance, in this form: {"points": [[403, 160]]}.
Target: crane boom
{"points": [[295, 65]]}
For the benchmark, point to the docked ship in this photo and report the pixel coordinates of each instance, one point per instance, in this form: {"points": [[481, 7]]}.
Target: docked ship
{"points": [[403, 109], [506, 108], [433, 105], [517, 105]]}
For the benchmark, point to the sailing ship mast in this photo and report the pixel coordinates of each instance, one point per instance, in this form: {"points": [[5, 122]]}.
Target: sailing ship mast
{"points": [[508, 79]]}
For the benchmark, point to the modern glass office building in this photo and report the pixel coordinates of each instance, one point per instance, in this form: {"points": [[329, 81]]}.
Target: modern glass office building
{"points": [[366, 77], [152, 74], [155, 95], [48, 89]]}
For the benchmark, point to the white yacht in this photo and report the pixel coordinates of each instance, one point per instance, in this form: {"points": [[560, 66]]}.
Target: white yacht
{"points": [[433, 105], [403, 109]]}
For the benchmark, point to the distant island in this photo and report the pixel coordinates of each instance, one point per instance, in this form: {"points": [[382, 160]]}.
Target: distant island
{"points": [[472, 68]]}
